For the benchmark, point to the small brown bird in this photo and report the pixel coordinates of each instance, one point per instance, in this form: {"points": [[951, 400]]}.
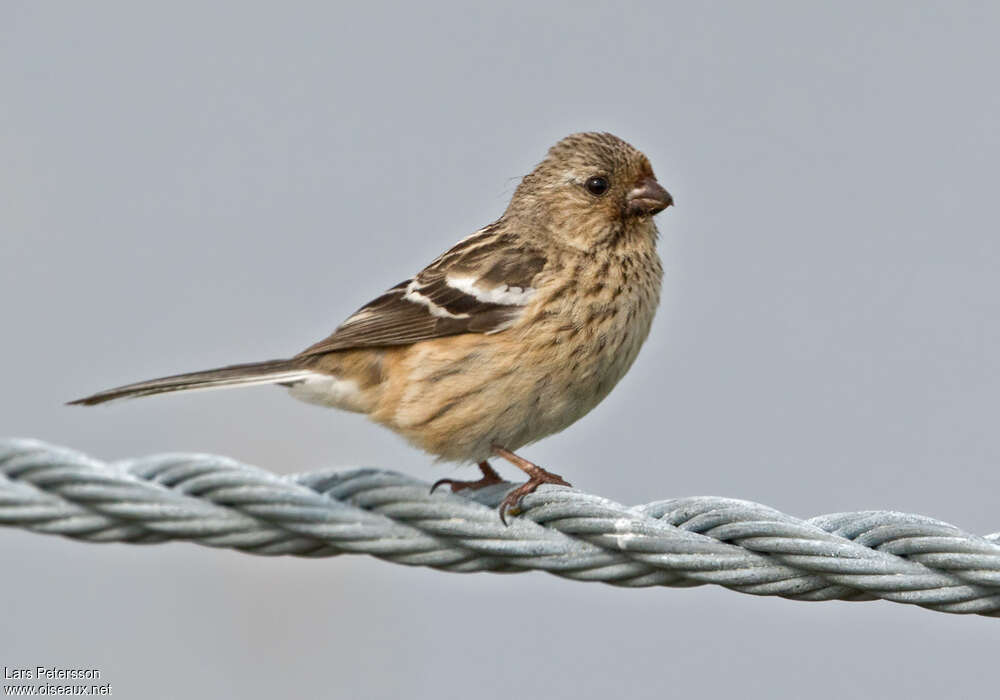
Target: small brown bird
{"points": [[512, 335]]}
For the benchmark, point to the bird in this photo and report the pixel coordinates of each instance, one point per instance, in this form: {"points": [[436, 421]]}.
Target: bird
{"points": [[513, 334]]}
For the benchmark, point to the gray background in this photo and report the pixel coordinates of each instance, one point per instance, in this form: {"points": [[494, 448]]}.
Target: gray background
{"points": [[187, 186]]}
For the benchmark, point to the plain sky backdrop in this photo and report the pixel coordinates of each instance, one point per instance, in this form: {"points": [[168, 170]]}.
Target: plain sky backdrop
{"points": [[189, 184]]}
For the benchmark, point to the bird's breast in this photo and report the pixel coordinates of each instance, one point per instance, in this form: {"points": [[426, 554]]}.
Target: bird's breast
{"points": [[602, 323]]}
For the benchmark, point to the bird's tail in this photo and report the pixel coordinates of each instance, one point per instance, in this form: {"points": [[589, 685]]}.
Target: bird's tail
{"points": [[269, 372]]}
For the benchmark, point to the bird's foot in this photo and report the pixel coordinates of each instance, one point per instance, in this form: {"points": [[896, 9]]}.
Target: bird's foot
{"points": [[489, 478], [536, 477], [511, 504]]}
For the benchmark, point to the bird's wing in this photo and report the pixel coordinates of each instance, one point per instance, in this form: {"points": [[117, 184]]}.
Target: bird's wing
{"points": [[481, 285]]}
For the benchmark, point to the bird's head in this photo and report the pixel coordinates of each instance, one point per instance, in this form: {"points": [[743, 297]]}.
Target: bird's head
{"points": [[592, 189]]}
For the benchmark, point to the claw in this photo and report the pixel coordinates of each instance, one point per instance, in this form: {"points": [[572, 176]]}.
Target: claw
{"points": [[489, 478], [537, 476]]}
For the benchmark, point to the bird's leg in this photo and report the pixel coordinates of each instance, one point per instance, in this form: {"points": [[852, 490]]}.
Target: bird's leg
{"points": [[536, 477], [490, 477]]}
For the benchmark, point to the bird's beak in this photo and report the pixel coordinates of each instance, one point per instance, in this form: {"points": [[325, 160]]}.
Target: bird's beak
{"points": [[647, 198]]}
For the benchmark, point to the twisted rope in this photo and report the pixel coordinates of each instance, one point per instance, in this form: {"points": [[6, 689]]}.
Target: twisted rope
{"points": [[746, 547]]}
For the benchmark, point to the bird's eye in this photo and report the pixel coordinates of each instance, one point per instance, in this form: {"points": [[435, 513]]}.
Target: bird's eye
{"points": [[596, 185]]}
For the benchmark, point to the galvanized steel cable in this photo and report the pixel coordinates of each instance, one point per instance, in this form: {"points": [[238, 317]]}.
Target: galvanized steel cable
{"points": [[744, 546]]}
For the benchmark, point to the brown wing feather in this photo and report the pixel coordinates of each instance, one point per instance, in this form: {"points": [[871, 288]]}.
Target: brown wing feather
{"points": [[427, 306]]}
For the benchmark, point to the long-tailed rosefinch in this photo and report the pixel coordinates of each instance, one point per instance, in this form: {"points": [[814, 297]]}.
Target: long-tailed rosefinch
{"points": [[510, 336]]}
